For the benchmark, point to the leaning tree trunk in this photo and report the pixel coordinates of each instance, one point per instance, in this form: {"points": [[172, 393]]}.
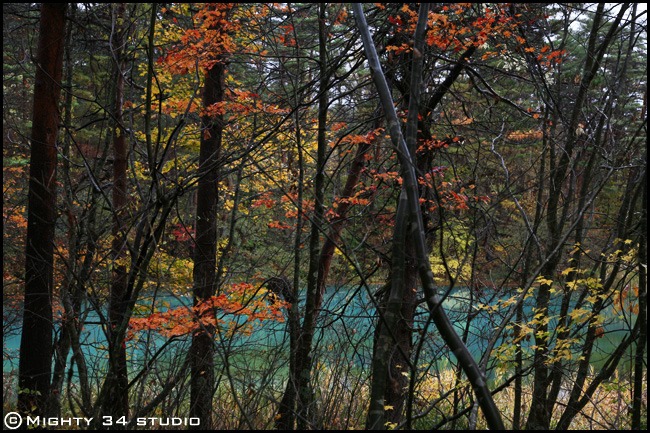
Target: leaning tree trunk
{"points": [[474, 375], [35, 365], [391, 356]]}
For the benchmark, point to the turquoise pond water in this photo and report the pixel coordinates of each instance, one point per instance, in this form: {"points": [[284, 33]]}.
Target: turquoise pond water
{"points": [[346, 330]]}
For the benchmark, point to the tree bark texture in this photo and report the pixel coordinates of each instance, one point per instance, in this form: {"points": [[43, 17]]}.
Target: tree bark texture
{"points": [[35, 366], [205, 249]]}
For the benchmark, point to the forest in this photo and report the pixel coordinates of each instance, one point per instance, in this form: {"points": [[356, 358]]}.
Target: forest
{"points": [[313, 216]]}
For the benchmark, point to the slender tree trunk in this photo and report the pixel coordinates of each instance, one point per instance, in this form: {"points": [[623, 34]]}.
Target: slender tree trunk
{"points": [[62, 346], [117, 401], [35, 365], [205, 250], [540, 414], [529, 255], [286, 416], [314, 291], [640, 367]]}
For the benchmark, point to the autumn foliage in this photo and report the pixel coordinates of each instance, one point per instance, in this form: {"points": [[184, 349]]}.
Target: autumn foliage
{"points": [[241, 300], [529, 159]]}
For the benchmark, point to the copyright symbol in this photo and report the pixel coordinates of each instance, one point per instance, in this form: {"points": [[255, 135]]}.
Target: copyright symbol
{"points": [[13, 420]]}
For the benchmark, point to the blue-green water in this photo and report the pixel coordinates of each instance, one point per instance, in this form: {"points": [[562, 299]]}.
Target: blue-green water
{"points": [[346, 326], [342, 312]]}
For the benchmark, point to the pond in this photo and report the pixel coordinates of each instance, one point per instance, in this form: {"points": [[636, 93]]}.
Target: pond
{"points": [[345, 330]]}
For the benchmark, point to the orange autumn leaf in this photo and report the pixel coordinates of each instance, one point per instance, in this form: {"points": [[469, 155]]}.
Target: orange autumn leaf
{"points": [[238, 300]]}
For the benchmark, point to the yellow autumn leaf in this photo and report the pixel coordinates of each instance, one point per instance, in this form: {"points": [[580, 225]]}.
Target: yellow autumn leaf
{"points": [[567, 271]]}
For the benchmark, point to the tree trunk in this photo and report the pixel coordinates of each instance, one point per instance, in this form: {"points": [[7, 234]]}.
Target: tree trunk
{"points": [[62, 346], [476, 378], [35, 365], [640, 367], [205, 250], [286, 416], [285, 419], [541, 406], [314, 289], [392, 351], [117, 401], [391, 361]]}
